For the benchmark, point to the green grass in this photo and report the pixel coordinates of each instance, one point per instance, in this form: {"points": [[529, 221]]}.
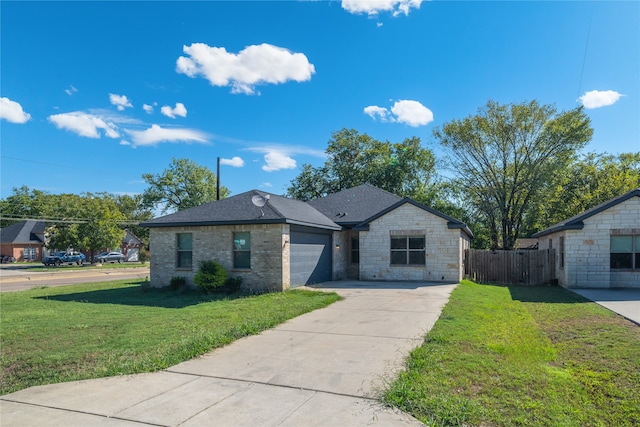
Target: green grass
{"points": [[523, 356], [93, 330]]}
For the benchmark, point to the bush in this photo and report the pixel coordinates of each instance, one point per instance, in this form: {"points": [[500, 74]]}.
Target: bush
{"points": [[178, 282], [233, 284], [143, 255], [210, 276]]}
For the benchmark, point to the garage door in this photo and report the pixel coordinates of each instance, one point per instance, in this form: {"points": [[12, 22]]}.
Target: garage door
{"points": [[310, 260]]}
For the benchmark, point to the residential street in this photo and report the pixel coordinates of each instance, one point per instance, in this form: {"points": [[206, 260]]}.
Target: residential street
{"points": [[18, 278]]}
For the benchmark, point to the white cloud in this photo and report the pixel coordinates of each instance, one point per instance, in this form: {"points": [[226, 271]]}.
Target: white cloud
{"points": [[599, 98], [179, 110], [373, 7], [278, 156], [374, 112], [120, 101], [147, 108], [236, 162], [412, 113], [156, 134], [404, 111], [254, 65], [12, 111], [85, 124], [71, 90], [266, 184], [276, 160]]}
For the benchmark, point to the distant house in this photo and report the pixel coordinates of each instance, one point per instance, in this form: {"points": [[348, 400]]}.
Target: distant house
{"points": [[361, 233], [23, 241], [130, 246], [600, 248]]}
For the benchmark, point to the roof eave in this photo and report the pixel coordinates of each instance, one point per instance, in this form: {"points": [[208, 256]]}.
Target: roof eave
{"points": [[239, 222]]}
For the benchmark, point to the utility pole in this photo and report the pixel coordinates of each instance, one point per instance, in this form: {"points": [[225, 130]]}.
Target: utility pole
{"points": [[218, 180]]}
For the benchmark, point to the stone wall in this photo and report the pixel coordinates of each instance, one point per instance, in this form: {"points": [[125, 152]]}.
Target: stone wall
{"points": [[587, 251], [443, 259], [269, 254]]}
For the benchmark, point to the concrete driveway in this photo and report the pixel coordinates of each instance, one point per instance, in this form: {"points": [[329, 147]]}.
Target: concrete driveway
{"points": [[625, 302], [322, 368]]}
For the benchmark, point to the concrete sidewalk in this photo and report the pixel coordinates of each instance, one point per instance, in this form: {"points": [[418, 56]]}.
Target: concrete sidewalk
{"points": [[625, 302], [322, 368]]}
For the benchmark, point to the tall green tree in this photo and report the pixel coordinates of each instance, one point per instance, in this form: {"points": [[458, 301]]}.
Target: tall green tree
{"points": [[588, 181], [184, 184], [101, 229], [134, 211], [504, 156], [404, 168], [24, 202]]}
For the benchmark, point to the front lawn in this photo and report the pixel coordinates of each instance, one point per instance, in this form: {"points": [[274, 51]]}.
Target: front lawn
{"points": [[93, 330], [523, 356]]}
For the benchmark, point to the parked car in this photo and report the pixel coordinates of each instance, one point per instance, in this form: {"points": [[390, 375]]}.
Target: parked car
{"points": [[110, 257], [61, 257]]}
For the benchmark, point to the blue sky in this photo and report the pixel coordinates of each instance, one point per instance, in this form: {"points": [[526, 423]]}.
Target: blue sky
{"points": [[94, 94]]}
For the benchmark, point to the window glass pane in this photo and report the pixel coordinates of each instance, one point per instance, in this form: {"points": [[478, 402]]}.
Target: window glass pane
{"points": [[184, 241], [398, 257], [242, 241], [621, 243], [620, 260], [416, 242], [637, 267], [637, 245], [416, 257], [242, 259], [184, 259], [398, 243]]}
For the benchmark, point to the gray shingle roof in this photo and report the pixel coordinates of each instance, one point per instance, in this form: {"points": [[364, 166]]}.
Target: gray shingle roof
{"points": [[29, 231], [575, 222], [240, 210], [354, 205]]}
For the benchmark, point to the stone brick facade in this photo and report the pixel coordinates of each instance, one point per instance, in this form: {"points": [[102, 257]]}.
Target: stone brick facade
{"points": [[271, 251], [587, 251], [269, 254], [444, 247]]}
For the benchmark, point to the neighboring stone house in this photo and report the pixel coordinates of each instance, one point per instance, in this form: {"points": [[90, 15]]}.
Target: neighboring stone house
{"points": [[361, 233], [23, 241], [600, 248]]}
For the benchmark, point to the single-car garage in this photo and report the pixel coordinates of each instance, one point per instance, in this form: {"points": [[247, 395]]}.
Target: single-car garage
{"points": [[310, 260]]}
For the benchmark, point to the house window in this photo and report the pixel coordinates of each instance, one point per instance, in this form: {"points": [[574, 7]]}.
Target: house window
{"points": [[625, 252], [29, 254], [185, 250], [355, 250], [561, 251], [242, 250], [407, 250]]}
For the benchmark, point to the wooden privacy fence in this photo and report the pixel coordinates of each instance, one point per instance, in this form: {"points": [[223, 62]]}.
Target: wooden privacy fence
{"points": [[535, 267]]}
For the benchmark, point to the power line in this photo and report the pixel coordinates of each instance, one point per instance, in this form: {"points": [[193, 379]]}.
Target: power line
{"points": [[63, 221], [584, 58]]}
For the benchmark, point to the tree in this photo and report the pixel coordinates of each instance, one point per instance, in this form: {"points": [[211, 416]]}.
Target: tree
{"points": [[183, 185], [24, 203], [505, 155], [590, 180], [134, 210], [406, 168], [101, 229]]}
